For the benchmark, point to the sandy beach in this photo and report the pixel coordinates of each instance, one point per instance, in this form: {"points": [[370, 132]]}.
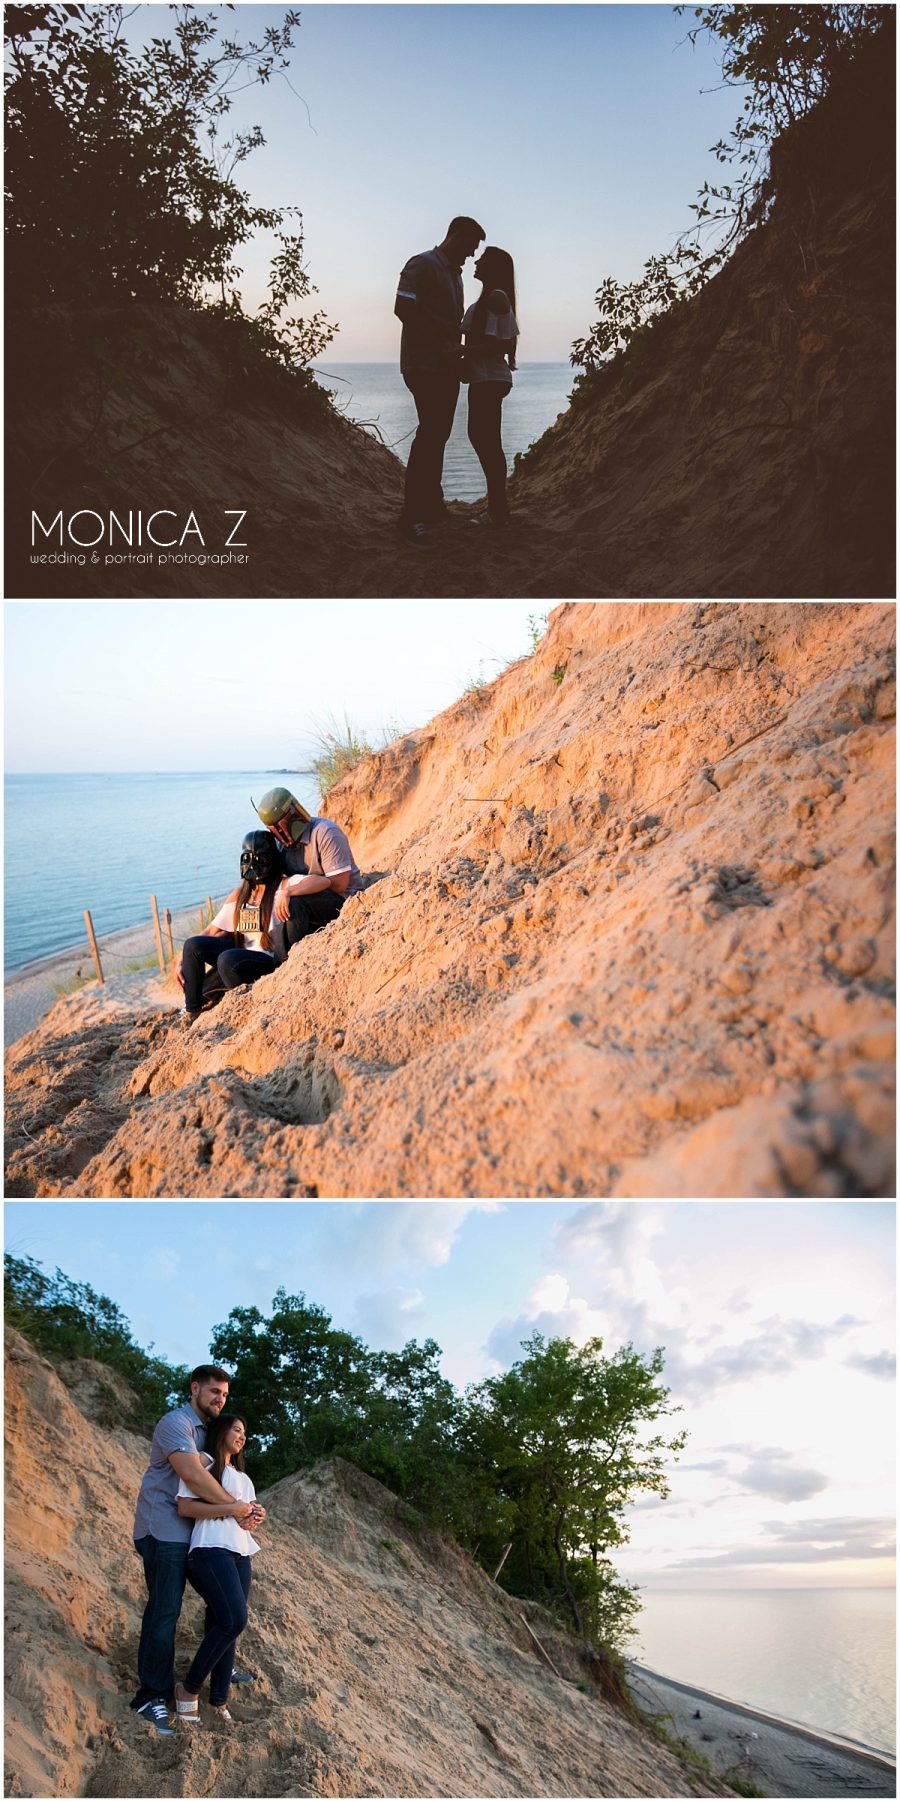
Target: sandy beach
{"points": [[777, 1757], [29, 993]]}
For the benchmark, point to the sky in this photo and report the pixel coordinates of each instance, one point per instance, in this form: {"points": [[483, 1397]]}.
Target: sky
{"points": [[180, 685], [776, 1318], [576, 135]]}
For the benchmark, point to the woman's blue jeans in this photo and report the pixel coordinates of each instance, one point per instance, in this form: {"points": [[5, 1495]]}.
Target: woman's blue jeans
{"points": [[234, 964], [222, 1578]]}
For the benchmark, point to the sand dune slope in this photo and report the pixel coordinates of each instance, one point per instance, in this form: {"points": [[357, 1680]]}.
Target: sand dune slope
{"points": [[385, 1663], [632, 936]]}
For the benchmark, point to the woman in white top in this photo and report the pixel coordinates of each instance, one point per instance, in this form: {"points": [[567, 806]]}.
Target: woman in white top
{"points": [[490, 332], [238, 943], [219, 1567]]}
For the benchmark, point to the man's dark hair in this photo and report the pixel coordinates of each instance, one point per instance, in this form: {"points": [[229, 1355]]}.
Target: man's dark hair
{"points": [[205, 1373], [463, 223]]}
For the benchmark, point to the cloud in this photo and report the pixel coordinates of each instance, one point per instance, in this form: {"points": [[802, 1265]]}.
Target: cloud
{"points": [[805, 1542], [551, 1309], [163, 1263], [774, 1350], [783, 1484], [882, 1365], [389, 1235], [387, 1318]]}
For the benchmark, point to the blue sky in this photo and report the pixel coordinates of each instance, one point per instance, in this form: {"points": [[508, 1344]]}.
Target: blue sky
{"points": [[576, 135], [177, 685], [777, 1319]]}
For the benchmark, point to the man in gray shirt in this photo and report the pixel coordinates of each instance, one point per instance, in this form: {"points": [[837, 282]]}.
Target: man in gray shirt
{"points": [[162, 1537], [320, 870], [430, 304]]}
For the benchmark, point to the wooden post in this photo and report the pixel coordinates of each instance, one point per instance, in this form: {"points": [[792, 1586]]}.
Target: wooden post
{"points": [[158, 936], [94, 952], [502, 1562], [210, 911], [167, 916], [200, 919]]}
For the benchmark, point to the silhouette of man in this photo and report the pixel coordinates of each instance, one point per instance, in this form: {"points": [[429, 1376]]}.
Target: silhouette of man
{"points": [[430, 304]]}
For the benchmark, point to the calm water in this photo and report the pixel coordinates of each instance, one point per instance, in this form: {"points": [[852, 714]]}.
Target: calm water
{"points": [[375, 393], [110, 842], [824, 1657]]}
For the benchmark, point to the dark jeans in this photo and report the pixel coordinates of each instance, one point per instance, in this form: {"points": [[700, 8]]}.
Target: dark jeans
{"points": [[234, 964], [485, 402], [309, 913], [435, 397], [165, 1570], [222, 1578]]}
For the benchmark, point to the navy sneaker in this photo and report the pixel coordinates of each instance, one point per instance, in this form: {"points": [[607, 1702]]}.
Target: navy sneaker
{"points": [[156, 1712]]}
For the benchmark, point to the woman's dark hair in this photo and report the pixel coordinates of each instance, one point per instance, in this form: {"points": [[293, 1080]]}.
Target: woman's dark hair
{"points": [[500, 273], [243, 894], [215, 1434]]}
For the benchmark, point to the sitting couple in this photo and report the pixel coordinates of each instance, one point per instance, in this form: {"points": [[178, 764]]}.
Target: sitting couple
{"points": [[430, 304], [295, 877], [195, 1509]]}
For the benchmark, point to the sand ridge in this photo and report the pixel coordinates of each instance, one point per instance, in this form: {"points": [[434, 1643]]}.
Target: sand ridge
{"points": [[631, 934]]}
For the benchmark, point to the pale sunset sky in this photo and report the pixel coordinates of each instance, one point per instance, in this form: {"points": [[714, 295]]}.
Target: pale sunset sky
{"points": [[777, 1318], [576, 135]]}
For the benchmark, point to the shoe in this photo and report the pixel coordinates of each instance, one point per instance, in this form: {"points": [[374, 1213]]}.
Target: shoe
{"points": [[242, 1677], [156, 1712], [223, 1711], [415, 532], [185, 1019], [187, 1708]]}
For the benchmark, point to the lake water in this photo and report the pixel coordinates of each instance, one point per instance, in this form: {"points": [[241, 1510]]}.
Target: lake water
{"points": [[823, 1657], [375, 394], [109, 842]]}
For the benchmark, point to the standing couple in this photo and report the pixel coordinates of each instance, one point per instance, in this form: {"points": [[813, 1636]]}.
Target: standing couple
{"points": [[432, 362], [195, 1511]]}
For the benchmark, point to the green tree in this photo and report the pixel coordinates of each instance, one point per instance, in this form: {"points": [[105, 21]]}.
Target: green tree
{"points": [[783, 59], [119, 182], [64, 1319], [302, 1382], [567, 1434]]}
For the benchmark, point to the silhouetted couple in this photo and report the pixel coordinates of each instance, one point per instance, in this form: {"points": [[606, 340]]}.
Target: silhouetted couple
{"points": [[433, 364]]}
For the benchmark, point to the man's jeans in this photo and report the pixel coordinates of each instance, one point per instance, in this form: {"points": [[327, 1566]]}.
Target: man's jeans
{"points": [[435, 397], [222, 1578], [165, 1570], [309, 913]]}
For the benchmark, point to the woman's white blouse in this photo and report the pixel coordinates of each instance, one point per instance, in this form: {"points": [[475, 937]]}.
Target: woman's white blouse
{"points": [[226, 1534], [225, 920], [491, 366]]}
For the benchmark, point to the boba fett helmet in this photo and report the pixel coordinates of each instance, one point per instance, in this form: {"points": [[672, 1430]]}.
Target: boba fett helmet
{"points": [[260, 858], [285, 816]]}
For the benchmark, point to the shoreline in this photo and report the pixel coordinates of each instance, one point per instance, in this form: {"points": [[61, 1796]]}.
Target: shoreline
{"points": [[30, 992], [780, 1757]]}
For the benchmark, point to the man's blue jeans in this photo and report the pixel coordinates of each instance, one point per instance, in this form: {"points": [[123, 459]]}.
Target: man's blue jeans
{"points": [[165, 1570]]}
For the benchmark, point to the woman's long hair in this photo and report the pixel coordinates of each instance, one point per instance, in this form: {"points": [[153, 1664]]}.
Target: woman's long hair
{"points": [[500, 274], [215, 1433], [242, 894]]}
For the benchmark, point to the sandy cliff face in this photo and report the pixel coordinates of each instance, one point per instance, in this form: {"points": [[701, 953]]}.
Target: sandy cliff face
{"points": [[633, 936], [385, 1662]]}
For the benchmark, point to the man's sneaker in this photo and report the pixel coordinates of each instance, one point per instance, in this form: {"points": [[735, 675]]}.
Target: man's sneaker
{"points": [[156, 1712], [415, 532]]}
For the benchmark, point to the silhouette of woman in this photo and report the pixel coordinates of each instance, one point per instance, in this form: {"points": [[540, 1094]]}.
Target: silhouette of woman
{"points": [[490, 332]]}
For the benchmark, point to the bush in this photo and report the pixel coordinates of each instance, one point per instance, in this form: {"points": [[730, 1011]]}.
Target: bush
{"points": [[786, 58], [118, 186]]}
